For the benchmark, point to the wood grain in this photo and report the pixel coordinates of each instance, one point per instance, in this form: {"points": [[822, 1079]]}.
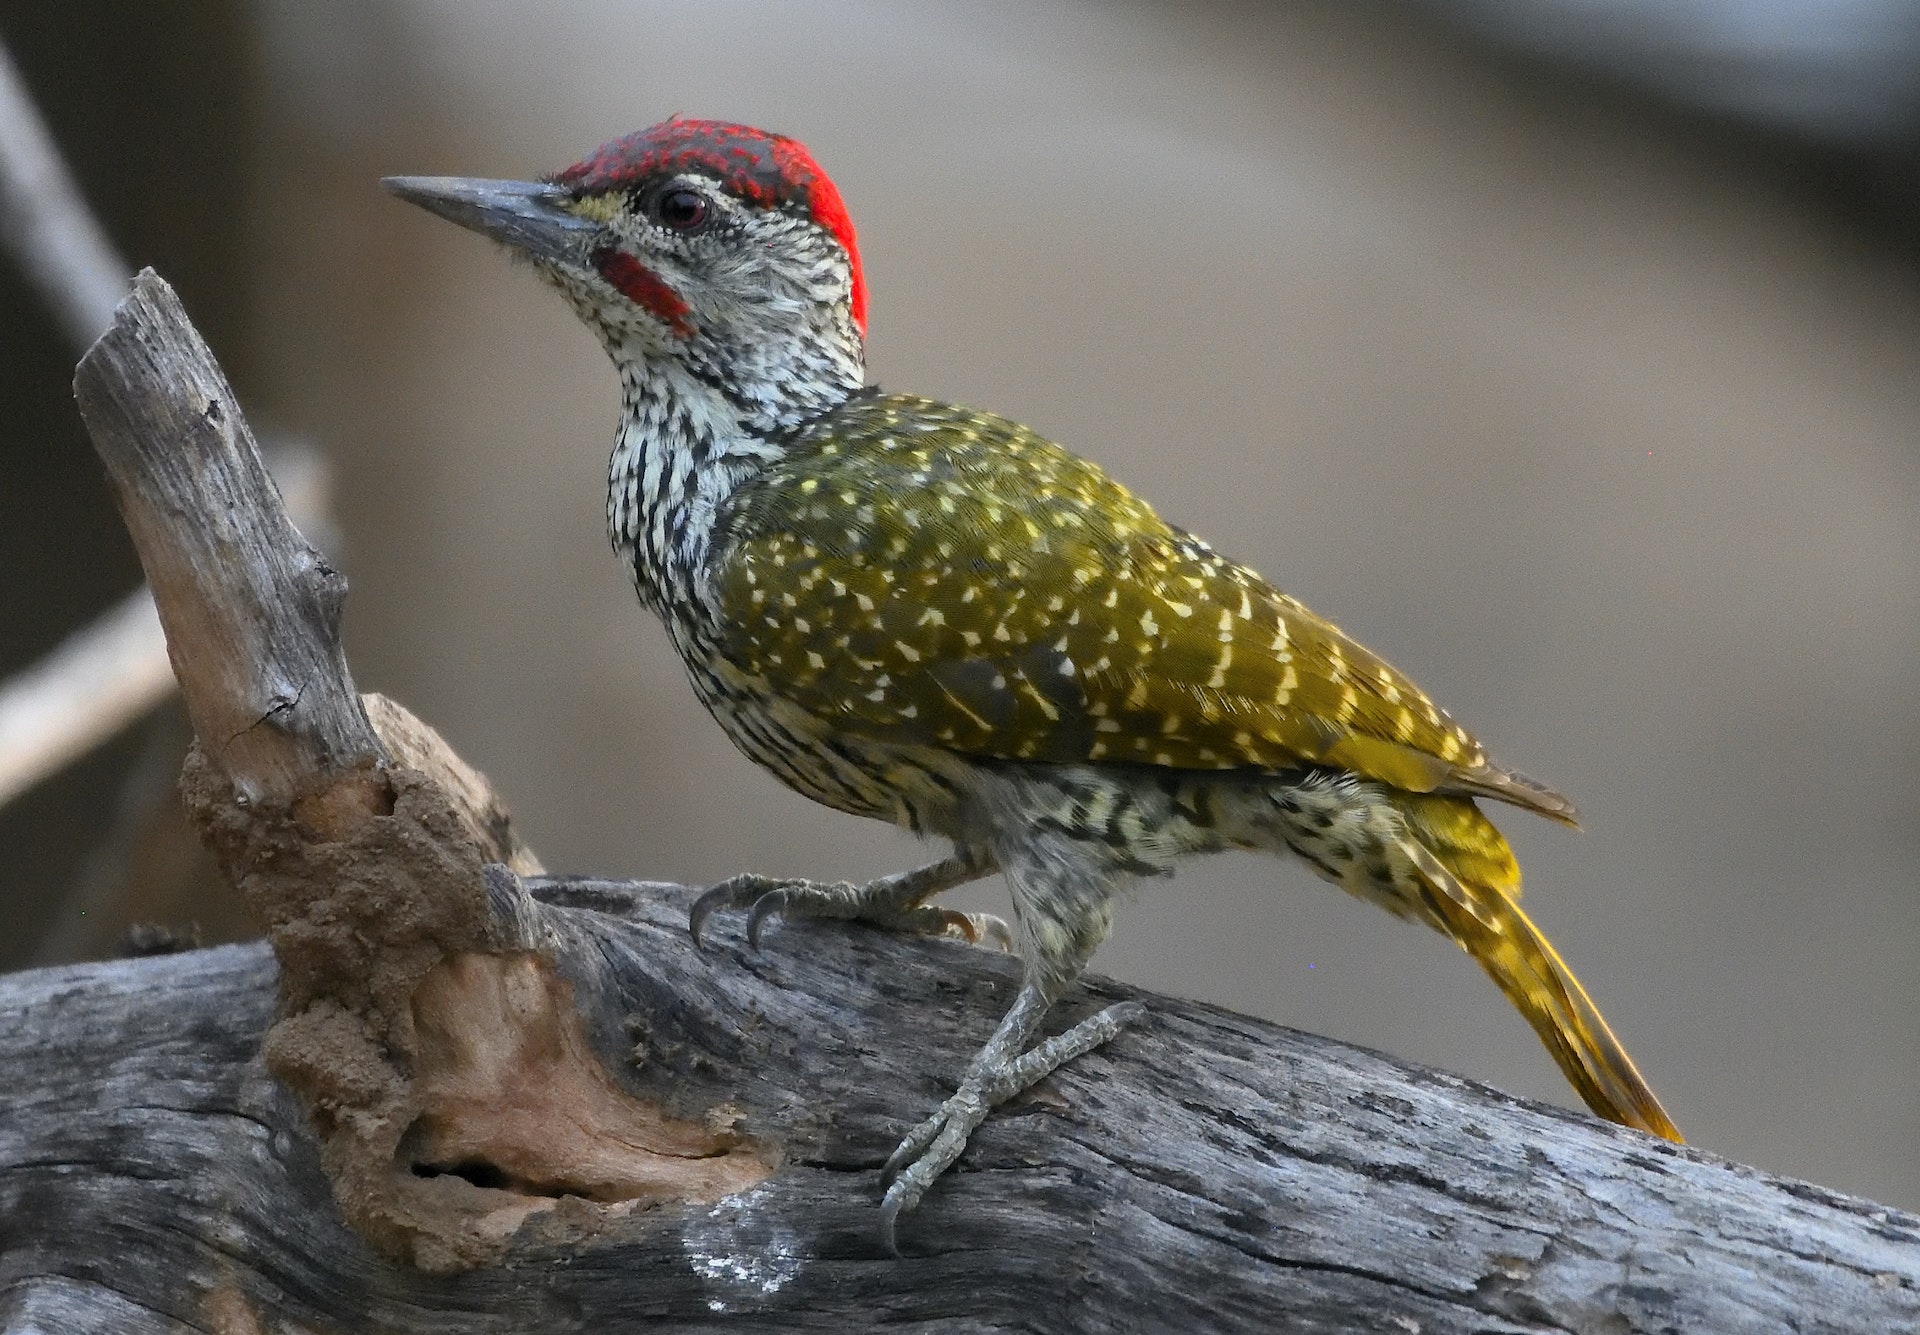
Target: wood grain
{"points": [[251, 611]]}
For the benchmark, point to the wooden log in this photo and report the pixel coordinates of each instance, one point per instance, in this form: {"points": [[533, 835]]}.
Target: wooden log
{"points": [[1204, 1171]]}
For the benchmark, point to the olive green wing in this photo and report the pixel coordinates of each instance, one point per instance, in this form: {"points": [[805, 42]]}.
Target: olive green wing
{"points": [[1240, 669], [944, 579]]}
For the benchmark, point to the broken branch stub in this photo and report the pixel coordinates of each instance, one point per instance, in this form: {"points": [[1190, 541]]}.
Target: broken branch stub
{"points": [[251, 611], [427, 1023]]}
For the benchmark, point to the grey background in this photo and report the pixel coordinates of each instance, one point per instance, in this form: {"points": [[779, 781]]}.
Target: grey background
{"points": [[1606, 434]]}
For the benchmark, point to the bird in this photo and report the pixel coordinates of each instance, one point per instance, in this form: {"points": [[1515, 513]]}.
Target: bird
{"points": [[933, 616]]}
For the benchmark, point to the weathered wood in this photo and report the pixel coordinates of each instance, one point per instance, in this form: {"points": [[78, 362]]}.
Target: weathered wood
{"points": [[1203, 1172], [362, 858], [251, 611]]}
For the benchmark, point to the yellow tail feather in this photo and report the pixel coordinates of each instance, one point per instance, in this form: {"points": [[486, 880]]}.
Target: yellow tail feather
{"points": [[1471, 887]]}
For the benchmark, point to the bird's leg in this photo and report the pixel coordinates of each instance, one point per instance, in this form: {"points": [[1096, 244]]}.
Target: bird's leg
{"points": [[1003, 1068], [897, 903], [1063, 890]]}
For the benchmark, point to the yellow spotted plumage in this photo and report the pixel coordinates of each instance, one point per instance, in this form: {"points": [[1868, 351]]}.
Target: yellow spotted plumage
{"points": [[940, 581], [938, 577]]}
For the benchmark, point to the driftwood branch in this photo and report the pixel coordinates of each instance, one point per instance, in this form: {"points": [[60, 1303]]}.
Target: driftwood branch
{"points": [[359, 849], [459, 1095]]}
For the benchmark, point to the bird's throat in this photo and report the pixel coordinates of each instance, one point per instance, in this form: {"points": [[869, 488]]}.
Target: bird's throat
{"points": [[684, 446]]}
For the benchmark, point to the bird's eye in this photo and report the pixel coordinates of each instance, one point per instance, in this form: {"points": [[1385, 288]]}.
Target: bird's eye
{"points": [[683, 210]]}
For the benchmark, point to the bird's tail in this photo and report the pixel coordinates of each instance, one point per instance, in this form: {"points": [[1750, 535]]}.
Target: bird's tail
{"points": [[1470, 884]]}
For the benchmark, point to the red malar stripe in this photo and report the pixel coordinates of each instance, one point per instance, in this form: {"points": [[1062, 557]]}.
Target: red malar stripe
{"points": [[644, 288]]}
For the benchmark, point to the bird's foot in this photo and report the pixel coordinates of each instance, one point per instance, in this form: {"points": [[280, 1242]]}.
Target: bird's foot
{"points": [[930, 1148], [879, 903]]}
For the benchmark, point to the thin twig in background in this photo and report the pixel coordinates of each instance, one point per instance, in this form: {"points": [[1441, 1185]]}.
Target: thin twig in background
{"points": [[82, 693], [114, 671], [47, 225]]}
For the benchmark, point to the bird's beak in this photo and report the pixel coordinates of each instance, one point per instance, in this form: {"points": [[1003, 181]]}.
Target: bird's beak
{"points": [[530, 216]]}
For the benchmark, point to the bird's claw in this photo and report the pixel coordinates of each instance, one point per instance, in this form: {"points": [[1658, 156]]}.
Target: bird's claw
{"points": [[976, 928], [766, 897], [889, 1215], [762, 896], [765, 906], [902, 1195], [928, 1151], [732, 893], [910, 1149]]}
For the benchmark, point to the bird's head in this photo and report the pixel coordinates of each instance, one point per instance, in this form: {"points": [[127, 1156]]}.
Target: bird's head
{"points": [[695, 249]]}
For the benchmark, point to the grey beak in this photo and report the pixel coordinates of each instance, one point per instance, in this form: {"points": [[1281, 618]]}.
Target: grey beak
{"points": [[527, 215]]}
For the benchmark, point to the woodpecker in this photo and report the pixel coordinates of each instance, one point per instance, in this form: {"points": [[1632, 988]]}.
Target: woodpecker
{"points": [[932, 616]]}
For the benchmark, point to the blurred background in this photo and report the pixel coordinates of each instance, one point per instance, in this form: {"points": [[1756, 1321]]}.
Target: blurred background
{"points": [[1566, 352]]}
